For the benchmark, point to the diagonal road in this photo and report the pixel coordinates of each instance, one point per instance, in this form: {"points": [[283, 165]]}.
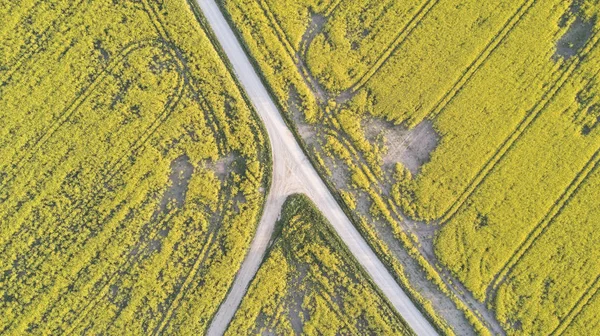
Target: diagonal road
{"points": [[293, 173]]}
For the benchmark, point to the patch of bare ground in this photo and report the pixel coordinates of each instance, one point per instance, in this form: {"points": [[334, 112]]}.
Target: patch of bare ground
{"points": [[222, 166], [576, 36], [345, 96], [238, 200], [411, 147], [295, 300], [181, 172], [306, 131]]}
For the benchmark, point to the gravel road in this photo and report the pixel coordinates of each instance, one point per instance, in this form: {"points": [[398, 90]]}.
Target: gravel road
{"points": [[293, 173]]}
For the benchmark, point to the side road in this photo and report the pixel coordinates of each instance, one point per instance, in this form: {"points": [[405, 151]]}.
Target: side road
{"points": [[293, 173]]}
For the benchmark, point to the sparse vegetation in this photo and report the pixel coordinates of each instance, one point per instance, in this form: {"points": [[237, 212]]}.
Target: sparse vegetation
{"points": [[132, 173]]}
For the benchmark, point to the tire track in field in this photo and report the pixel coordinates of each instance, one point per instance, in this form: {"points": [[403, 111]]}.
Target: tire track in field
{"points": [[482, 58], [37, 45], [323, 292], [61, 291], [221, 144], [305, 73], [129, 264], [123, 269], [332, 120], [198, 264], [211, 237], [404, 33], [578, 308], [136, 145], [473, 67], [486, 318], [299, 56], [119, 165], [543, 225], [173, 101], [523, 125], [333, 6], [23, 10], [282, 37], [151, 231], [213, 120], [218, 217], [483, 316], [219, 141], [57, 123]]}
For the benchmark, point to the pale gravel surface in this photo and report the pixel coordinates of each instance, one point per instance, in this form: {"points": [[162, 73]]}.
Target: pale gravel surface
{"points": [[293, 173]]}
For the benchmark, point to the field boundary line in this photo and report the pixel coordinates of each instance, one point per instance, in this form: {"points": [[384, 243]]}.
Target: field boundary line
{"points": [[541, 227], [578, 308], [520, 129], [482, 58], [404, 33]]}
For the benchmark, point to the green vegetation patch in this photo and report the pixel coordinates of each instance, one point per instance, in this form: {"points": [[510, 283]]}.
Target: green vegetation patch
{"points": [[309, 284], [132, 173]]}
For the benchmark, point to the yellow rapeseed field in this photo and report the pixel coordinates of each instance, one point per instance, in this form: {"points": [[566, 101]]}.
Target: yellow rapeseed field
{"points": [[309, 283], [462, 138], [132, 174]]}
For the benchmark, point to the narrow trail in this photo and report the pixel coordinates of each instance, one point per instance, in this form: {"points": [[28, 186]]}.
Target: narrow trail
{"points": [[293, 173]]}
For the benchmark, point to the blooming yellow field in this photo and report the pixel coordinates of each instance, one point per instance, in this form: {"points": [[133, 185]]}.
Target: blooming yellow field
{"points": [[309, 283], [462, 137], [132, 173]]}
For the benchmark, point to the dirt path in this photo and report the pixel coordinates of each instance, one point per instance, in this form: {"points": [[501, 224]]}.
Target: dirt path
{"points": [[293, 173]]}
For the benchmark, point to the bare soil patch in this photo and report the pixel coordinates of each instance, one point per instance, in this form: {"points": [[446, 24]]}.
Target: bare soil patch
{"points": [[411, 147], [307, 132], [575, 38], [181, 172], [223, 165]]}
